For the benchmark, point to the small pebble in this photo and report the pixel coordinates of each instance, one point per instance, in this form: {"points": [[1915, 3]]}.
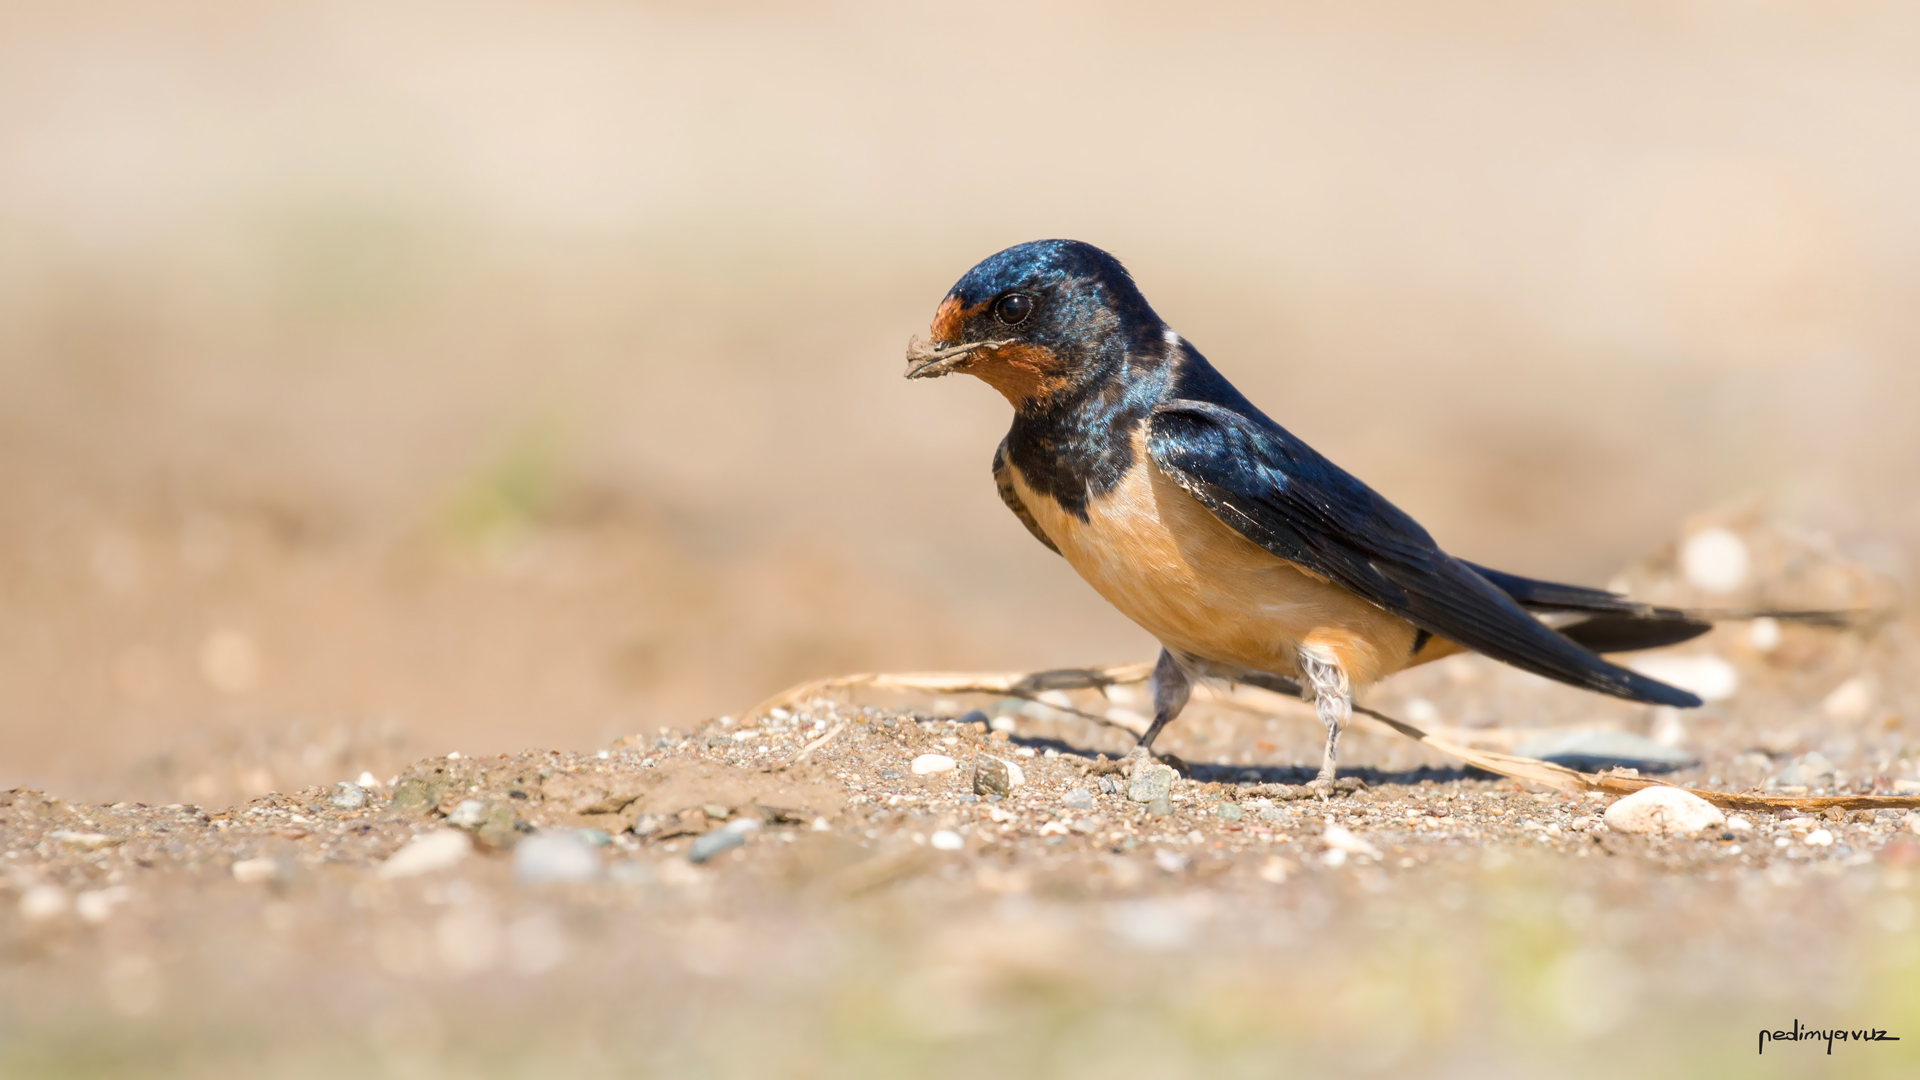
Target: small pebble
{"points": [[947, 840], [714, 843], [42, 902], [1160, 807], [1812, 770], [469, 814], [81, 839], [933, 763], [555, 857], [1820, 838], [96, 905], [348, 796], [1663, 810], [1715, 560], [1078, 799], [1229, 811], [1851, 700], [1272, 813], [255, 871], [1150, 782], [1703, 673], [1341, 838], [992, 776], [427, 853]]}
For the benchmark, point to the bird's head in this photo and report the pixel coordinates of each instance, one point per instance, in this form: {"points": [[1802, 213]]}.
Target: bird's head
{"points": [[1038, 320]]}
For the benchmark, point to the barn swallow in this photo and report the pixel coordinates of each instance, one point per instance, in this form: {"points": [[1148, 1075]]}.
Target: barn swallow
{"points": [[1250, 556]]}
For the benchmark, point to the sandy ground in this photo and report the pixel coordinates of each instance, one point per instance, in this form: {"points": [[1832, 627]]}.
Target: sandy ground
{"points": [[387, 379], [796, 895]]}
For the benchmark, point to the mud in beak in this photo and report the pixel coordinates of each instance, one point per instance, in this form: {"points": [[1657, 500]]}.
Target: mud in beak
{"points": [[926, 362]]}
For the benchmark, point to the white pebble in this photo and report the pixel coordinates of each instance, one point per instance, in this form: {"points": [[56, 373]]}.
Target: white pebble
{"points": [[42, 902], [255, 871], [1420, 711], [1738, 823], [1764, 634], [1706, 675], [1714, 560], [1851, 700], [933, 763], [96, 905], [428, 852], [1820, 838], [1015, 775], [948, 840], [82, 839], [556, 856], [1663, 809], [1341, 838]]}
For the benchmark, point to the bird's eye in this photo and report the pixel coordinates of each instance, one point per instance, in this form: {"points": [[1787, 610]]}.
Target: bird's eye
{"points": [[1013, 309]]}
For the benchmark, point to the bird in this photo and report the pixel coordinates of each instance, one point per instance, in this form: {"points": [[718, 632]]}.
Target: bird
{"points": [[1250, 556]]}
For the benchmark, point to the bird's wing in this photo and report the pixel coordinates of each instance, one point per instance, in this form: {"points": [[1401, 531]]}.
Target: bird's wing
{"points": [[1612, 623], [1277, 492], [1003, 479]]}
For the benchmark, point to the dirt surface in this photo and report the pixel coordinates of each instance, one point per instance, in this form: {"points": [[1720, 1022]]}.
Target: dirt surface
{"points": [[387, 379], [794, 896]]}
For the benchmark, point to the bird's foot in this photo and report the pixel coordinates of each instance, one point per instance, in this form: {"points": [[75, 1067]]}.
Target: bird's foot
{"points": [[1126, 765]]}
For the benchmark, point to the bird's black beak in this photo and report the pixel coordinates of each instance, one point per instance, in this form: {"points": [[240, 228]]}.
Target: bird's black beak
{"points": [[924, 361]]}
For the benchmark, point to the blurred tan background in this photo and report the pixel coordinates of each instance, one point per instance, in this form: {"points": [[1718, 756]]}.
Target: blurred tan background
{"points": [[387, 378]]}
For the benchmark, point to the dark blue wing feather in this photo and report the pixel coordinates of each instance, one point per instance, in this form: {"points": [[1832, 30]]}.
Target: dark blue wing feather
{"points": [[1278, 492]]}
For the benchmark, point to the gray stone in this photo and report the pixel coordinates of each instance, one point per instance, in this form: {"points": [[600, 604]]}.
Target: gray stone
{"points": [[974, 717], [1593, 751], [1812, 770], [1272, 813], [1078, 799], [1229, 811], [714, 843], [1150, 782], [555, 857], [349, 796], [1160, 807], [1108, 784]]}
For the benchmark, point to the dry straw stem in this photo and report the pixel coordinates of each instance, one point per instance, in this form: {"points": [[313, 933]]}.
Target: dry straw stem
{"points": [[1029, 685]]}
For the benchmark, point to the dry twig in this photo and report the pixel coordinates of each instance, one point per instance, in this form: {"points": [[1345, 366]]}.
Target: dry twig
{"points": [[1028, 685]]}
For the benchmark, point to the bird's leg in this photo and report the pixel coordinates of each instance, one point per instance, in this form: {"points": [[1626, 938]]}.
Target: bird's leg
{"points": [[1171, 688], [1332, 700]]}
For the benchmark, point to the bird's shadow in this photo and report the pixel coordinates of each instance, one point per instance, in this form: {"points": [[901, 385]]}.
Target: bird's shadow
{"points": [[1206, 773]]}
